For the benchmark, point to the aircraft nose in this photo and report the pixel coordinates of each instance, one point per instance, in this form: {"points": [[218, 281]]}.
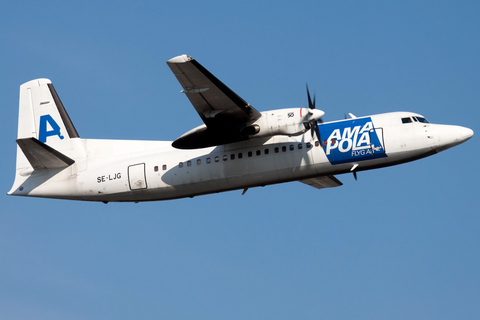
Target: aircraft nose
{"points": [[450, 136], [466, 133]]}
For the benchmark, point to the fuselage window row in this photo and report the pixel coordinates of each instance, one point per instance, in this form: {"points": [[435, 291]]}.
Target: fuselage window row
{"points": [[266, 151]]}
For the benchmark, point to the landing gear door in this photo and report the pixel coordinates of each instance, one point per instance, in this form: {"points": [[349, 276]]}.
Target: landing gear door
{"points": [[377, 143], [136, 177]]}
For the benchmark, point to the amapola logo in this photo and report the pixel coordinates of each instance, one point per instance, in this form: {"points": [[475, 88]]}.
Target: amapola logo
{"points": [[351, 140]]}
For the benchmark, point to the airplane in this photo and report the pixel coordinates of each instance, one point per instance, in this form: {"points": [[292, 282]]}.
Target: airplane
{"points": [[236, 147]]}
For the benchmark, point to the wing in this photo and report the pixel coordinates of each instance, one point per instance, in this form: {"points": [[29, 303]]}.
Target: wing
{"points": [[322, 182], [217, 105], [222, 110]]}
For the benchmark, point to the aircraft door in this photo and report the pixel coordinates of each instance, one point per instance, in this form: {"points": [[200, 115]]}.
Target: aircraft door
{"points": [[377, 143], [136, 176]]}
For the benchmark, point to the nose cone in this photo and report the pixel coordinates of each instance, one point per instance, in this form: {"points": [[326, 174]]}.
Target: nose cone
{"points": [[466, 133], [450, 136], [315, 114]]}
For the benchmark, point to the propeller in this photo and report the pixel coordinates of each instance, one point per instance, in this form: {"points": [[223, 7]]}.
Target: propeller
{"points": [[316, 115]]}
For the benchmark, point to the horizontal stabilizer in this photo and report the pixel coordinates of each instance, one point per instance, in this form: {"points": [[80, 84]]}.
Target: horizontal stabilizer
{"points": [[322, 182], [42, 156]]}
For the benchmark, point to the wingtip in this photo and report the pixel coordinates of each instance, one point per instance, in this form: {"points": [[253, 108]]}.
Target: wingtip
{"points": [[180, 59]]}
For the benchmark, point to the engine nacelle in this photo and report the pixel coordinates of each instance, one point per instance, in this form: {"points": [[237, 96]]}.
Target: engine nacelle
{"points": [[289, 122]]}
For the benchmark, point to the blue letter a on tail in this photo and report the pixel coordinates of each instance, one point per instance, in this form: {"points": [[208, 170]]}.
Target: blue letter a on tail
{"points": [[43, 134]]}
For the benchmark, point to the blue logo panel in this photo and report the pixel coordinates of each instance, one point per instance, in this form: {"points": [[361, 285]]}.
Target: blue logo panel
{"points": [[351, 141]]}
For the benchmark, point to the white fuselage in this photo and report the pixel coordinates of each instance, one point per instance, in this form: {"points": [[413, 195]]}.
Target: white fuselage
{"points": [[115, 170]]}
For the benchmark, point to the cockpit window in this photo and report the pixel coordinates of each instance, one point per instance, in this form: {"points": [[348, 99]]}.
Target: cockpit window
{"points": [[414, 119], [423, 120]]}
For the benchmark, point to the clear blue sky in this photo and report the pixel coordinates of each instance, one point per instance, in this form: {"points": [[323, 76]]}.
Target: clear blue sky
{"points": [[400, 243]]}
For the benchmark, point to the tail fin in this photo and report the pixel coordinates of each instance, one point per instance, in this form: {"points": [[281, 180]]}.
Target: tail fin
{"points": [[42, 115], [46, 136]]}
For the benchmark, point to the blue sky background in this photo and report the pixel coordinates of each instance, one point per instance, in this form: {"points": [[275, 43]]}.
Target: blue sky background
{"points": [[400, 243]]}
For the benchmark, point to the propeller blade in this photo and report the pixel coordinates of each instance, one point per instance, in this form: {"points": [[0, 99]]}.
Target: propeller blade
{"points": [[311, 104], [315, 129], [313, 123]]}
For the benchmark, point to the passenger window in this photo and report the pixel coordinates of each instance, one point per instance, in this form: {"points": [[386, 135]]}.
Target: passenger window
{"points": [[217, 159], [240, 155], [300, 146], [199, 162], [276, 149], [309, 145], [189, 163], [317, 143], [250, 153], [284, 148], [232, 156], [406, 120], [258, 152], [292, 147], [225, 157], [267, 151], [164, 167], [209, 160], [180, 164], [155, 168]]}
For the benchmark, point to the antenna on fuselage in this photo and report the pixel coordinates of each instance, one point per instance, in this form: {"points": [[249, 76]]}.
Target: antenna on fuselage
{"points": [[353, 171]]}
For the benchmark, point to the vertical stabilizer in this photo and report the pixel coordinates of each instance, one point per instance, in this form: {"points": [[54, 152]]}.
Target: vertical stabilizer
{"points": [[42, 114], [45, 131]]}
